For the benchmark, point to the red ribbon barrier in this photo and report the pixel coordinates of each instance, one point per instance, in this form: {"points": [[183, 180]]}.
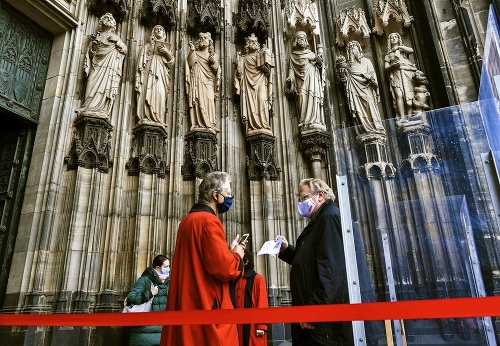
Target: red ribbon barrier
{"points": [[414, 309]]}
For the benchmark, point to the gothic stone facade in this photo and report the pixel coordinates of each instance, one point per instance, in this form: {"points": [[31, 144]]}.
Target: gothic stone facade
{"points": [[89, 197]]}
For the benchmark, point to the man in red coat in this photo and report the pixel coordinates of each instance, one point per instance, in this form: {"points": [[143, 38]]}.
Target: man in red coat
{"points": [[251, 292], [204, 266]]}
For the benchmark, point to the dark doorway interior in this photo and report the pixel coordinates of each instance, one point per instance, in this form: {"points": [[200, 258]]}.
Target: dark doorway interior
{"points": [[16, 145]]}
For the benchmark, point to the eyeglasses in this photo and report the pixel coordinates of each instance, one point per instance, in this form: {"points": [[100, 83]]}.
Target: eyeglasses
{"points": [[303, 197], [231, 195]]}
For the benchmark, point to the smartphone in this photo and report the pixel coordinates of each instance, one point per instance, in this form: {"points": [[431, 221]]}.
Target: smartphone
{"points": [[244, 237]]}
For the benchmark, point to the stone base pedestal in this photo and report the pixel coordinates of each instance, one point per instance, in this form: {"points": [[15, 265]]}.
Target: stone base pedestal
{"points": [[200, 156], [261, 158], [149, 152], [91, 144], [375, 156], [414, 136], [314, 145]]}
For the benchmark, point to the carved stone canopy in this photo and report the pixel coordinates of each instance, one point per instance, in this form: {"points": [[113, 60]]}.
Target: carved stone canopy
{"points": [[253, 18], [159, 12], [203, 16], [200, 155], [91, 144], [301, 15], [391, 16], [118, 8], [352, 25], [261, 158]]}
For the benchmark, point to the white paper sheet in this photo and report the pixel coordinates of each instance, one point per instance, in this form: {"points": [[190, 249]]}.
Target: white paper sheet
{"points": [[271, 247]]}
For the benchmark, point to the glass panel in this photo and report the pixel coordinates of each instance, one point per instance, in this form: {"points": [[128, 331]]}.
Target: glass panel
{"points": [[421, 201], [489, 91]]}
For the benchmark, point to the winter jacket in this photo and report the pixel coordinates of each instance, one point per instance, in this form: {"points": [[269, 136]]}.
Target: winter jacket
{"points": [[319, 276], [141, 293], [251, 292], [202, 272]]}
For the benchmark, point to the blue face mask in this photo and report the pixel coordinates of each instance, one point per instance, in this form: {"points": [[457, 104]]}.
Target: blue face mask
{"points": [[165, 271], [224, 206]]}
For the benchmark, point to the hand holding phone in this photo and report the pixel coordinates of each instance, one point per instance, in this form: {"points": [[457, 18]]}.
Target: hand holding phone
{"points": [[244, 238]]}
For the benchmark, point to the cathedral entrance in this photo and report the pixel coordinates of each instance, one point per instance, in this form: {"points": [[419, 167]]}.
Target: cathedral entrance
{"points": [[24, 56], [16, 144]]}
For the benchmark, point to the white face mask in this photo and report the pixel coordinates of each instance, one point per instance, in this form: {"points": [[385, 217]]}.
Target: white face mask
{"points": [[306, 207], [165, 271]]}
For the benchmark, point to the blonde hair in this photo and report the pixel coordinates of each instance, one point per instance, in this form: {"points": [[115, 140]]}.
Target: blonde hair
{"points": [[316, 185]]}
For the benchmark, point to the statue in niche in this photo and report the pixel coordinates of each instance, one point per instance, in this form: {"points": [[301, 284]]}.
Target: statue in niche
{"points": [[253, 86], [153, 78], [361, 88], [103, 67], [202, 84], [306, 77], [401, 71], [421, 93]]}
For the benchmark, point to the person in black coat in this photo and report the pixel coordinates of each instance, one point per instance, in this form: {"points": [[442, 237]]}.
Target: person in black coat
{"points": [[318, 274]]}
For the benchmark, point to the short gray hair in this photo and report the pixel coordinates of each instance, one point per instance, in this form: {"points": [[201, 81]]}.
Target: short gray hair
{"points": [[316, 185], [213, 181]]}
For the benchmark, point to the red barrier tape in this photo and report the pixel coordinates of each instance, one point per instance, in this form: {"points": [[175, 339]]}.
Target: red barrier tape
{"points": [[414, 309]]}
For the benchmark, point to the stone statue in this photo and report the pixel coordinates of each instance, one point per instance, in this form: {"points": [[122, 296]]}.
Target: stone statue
{"points": [[153, 78], [103, 67], [401, 71], [361, 89], [253, 85], [421, 93], [306, 80], [202, 84]]}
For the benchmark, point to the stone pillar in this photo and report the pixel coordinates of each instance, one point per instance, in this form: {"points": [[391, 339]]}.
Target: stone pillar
{"points": [[314, 146]]}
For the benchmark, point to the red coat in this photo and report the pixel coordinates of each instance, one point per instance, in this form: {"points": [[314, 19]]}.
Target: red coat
{"points": [[259, 300], [202, 267]]}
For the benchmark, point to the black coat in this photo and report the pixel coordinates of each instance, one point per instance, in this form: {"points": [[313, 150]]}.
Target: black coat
{"points": [[319, 276]]}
